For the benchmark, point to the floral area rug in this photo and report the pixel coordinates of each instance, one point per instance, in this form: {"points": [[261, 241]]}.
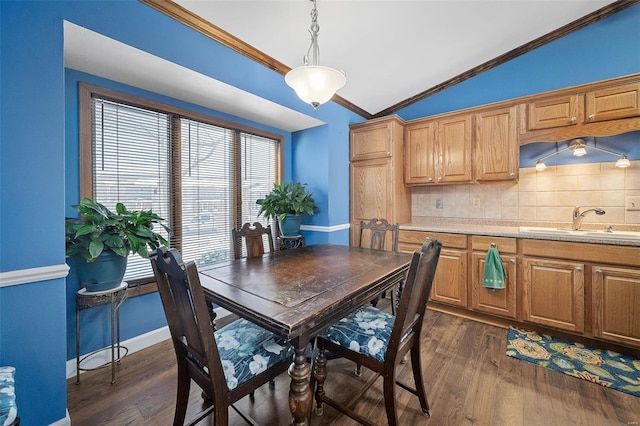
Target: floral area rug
{"points": [[606, 368]]}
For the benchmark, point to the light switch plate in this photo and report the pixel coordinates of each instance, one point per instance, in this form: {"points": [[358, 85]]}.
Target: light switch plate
{"points": [[633, 202]]}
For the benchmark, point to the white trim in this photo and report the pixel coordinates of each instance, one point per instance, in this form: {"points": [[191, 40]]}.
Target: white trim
{"points": [[33, 275], [65, 421], [134, 344], [317, 228]]}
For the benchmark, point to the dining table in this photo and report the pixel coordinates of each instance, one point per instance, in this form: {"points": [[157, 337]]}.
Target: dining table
{"points": [[298, 293]]}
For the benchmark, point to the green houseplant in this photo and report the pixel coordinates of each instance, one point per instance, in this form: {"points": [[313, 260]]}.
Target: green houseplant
{"points": [[286, 203], [100, 240]]}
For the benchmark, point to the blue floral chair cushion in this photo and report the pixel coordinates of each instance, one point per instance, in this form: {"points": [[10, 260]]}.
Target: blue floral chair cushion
{"points": [[8, 410], [366, 330], [247, 350]]}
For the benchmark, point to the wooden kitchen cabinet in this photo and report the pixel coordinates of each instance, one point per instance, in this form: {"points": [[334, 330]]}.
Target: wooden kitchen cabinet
{"points": [[495, 302], [450, 281], [496, 150], [558, 111], [616, 306], [439, 150], [377, 188], [612, 103]]}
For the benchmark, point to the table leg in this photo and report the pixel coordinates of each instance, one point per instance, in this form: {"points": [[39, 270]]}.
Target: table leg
{"points": [[300, 396]]}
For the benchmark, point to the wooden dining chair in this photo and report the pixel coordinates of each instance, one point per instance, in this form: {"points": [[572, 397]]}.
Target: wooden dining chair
{"points": [[253, 236], [379, 341], [377, 230], [227, 364]]}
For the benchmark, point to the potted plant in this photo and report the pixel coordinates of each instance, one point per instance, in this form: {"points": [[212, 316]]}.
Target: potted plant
{"points": [[286, 203], [100, 240]]}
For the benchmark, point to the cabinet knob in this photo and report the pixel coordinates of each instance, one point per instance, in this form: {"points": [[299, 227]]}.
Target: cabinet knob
{"points": [[512, 174], [430, 179], [439, 177], [573, 119], [599, 271], [592, 116], [578, 268], [512, 261], [388, 154]]}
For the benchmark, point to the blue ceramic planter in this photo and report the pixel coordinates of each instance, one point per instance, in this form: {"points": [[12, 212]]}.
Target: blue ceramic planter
{"points": [[104, 273], [290, 225]]}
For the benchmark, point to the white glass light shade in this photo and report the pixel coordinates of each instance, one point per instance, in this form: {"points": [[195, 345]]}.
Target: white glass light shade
{"points": [[540, 166], [315, 84], [623, 162], [579, 151]]}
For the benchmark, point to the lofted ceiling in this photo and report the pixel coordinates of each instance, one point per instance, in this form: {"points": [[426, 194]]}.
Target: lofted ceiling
{"points": [[395, 50]]}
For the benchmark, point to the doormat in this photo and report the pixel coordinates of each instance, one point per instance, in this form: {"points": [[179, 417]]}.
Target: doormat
{"points": [[606, 368]]}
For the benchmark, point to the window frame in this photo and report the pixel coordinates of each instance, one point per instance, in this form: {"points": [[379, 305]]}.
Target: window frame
{"points": [[87, 91]]}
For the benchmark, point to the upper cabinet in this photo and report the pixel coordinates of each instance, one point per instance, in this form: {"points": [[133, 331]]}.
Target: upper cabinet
{"points": [[496, 145], [597, 109], [375, 140], [439, 151]]}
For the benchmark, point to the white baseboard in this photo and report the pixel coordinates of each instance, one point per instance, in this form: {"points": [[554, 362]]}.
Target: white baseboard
{"points": [[66, 421], [133, 345]]}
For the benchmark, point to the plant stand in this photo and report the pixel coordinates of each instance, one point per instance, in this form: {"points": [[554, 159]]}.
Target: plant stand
{"points": [[86, 299]]}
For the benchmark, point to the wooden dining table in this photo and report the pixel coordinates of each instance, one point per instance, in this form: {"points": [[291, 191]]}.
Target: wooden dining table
{"points": [[298, 293]]}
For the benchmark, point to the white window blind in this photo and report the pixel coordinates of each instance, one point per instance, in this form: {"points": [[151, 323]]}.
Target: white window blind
{"points": [[204, 179], [130, 158]]}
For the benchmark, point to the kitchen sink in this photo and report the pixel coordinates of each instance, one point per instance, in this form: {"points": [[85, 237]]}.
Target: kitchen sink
{"points": [[587, 233]]}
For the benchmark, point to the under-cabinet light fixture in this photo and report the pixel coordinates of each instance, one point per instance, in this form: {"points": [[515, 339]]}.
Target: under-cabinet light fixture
{"points": [[579, 148]]}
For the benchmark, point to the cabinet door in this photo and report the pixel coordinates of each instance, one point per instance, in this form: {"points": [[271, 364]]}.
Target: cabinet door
{"points": [[613, 103], [560, 111], [419, 152], [374, 141], [553, 293], [370, 190], [496, 302], [450, 281], [616, 304], [454, 149], [496, 146]]}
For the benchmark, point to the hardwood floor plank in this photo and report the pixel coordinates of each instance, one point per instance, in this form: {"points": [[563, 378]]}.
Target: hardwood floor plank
{"points": [[469, 379]]}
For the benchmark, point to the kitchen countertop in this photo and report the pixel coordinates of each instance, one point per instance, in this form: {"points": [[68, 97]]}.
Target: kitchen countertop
{"points": [[509, 229]]}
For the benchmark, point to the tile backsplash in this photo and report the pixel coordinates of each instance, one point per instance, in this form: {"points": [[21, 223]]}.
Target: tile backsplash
{"points": [[542, 197]]}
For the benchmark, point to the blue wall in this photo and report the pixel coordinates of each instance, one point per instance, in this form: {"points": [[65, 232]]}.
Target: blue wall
{"points": [[35, 155]]}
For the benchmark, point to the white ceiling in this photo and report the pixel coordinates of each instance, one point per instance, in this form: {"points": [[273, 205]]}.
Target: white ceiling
{"points": [[390, 50]]}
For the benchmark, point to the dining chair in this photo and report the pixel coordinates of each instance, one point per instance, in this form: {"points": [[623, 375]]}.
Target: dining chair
{"points": [[253, 236], [377, 230], [227, 364], [379, 341]]}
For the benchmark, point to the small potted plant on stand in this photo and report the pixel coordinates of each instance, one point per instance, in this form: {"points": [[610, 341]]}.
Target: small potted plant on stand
{"points": [[100, 240], [286, 203]]}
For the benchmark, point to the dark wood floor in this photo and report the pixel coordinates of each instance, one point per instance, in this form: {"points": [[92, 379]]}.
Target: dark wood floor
{"points": [[470, 380]]}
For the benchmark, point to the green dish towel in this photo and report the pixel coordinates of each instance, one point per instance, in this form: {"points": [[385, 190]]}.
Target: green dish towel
{"points": [[494, 275]]}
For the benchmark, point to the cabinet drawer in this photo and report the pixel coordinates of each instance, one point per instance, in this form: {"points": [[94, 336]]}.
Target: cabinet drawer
{"points": [[504, 244], [406, 238], [559, 111]]}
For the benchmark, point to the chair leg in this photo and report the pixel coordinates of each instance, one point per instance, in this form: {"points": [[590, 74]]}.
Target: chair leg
{"points": [[389, 387], [319, 376], [182, 397], [418, 378]]}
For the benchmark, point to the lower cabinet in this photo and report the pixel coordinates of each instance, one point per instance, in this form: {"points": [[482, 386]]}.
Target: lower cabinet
{"points": [[553, 293], [500, 302], [616, 304], [450, 281]]}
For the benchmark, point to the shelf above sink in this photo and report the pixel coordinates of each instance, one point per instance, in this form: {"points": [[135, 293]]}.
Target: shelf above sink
{"points": [[585, 234]]}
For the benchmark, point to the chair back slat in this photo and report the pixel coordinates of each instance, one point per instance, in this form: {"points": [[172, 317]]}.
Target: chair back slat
{"points": [[253, 236], [186, 310], [415, 294], [378, 229]]}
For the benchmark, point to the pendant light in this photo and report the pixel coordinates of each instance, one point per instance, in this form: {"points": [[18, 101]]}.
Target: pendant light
{"points": [[315, 84]]}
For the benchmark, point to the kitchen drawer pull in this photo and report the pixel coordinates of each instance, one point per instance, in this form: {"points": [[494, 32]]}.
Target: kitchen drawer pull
{"points": [[578, 268], [592, 116], [512, 261], [573, 119], [599, 271]]}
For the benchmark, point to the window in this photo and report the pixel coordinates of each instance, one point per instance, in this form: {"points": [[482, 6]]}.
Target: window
{"points": [[202, 175]]}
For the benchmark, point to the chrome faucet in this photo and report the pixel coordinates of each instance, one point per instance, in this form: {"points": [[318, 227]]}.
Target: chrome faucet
{"points": [[578, 217]]}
